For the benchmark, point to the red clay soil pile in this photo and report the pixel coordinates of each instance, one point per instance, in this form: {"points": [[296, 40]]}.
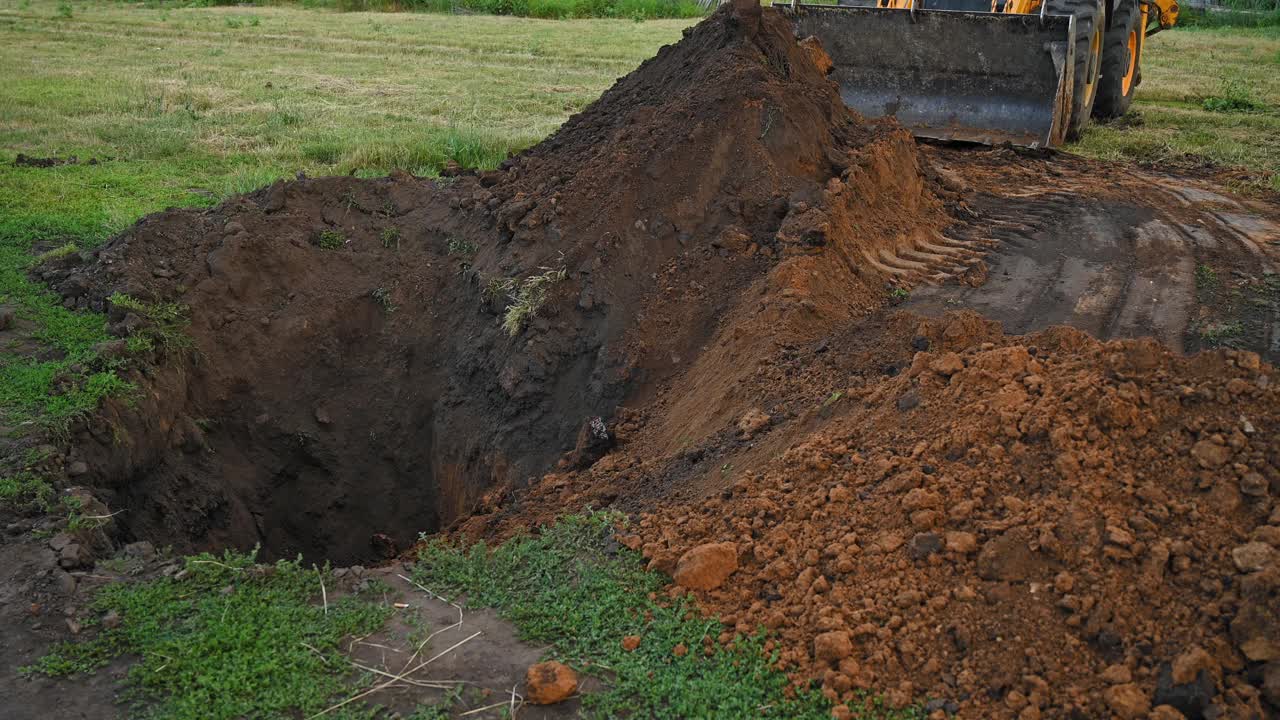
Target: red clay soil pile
{"points": [[1037, 526], [367, 357]]}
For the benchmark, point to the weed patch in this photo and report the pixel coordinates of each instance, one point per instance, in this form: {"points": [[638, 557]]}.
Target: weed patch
{"points": [[382, 296], [568, 589], [1219, 334], [47, 390], [164, 326], [25, 489], [1206, 278], [494, 288], [1234, 95], [390, 238], [331, 240], [225, 639], [528, 298]]}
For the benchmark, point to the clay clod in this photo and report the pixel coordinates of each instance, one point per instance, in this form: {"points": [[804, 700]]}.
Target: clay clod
{"points": [[549, 682], [706, 567]]}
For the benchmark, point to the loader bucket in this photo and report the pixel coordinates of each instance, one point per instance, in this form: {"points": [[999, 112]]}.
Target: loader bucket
{"points": [[950, 74]]}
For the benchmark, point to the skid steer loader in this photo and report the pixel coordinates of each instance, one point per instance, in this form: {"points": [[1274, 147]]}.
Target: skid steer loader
{"points": [[1026, 72]]}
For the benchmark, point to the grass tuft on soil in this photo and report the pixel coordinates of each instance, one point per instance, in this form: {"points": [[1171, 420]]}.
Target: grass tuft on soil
{"points": [[573, 588], [225, 639], [50, 373]]}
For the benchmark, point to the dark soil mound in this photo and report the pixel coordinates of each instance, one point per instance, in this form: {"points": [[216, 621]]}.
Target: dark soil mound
{"points": [[369, 356]]}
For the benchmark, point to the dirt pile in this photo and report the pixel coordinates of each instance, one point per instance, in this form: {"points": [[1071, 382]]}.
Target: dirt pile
{"points": [[368, 356], [1032, 526]]}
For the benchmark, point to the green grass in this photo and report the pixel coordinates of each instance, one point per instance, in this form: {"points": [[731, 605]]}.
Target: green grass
{"points": [[63, 379], [25, 488], [164, 328], [527, 298], [331, 240], [1208, 93], [546, 9], [569, 589], [227, 640]]}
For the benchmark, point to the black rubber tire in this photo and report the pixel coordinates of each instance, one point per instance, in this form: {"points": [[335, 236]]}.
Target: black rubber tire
{"points": [[1090, 18], [1112, 100]]}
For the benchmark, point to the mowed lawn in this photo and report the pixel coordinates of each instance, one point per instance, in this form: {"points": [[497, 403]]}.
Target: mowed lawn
{"points": [[1187, 71], [187, 105]]}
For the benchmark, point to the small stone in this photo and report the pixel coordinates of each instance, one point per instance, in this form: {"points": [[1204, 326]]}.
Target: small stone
{"points": [[923, 545], [832, 647], [908, 599], [59, 541], [72, 556], [1117, 675], [73, 626], [1256, 631], [547, 683], [1269, 534], [889, 542], [706, 567], [961, 542], [630, 642], [111, 620], [64, 581], [910, 399], [1127, 701], [753, 422], [1119, 536], [142, 550], [1253, 485], [1210, 455], [1190, 698], [1252, 556], [78, 468], [1165, 712], [1271, 682], [1187, 666], [948, 364], [1064, 582]]}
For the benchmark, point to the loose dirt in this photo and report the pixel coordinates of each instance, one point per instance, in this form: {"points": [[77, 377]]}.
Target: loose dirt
{"points": [[1062, 522]]}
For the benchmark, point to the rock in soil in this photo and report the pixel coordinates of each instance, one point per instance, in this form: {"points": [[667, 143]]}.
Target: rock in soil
{"points": [[706, 567], [550, 682]]}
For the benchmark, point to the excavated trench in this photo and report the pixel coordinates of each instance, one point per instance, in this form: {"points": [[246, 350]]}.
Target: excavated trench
{"points": [[369, 358]]}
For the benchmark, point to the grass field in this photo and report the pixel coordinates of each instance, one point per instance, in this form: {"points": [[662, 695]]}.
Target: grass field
{"points": [[1207, 92]]}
